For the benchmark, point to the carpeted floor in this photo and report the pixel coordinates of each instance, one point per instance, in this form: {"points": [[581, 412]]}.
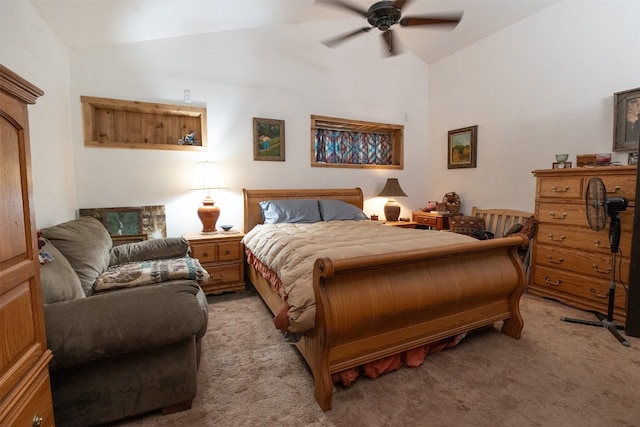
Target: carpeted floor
{"points": [[557, 374]]}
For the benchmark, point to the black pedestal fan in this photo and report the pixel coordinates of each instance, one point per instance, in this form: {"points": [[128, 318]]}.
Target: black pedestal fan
{"points": [[599, 207]]}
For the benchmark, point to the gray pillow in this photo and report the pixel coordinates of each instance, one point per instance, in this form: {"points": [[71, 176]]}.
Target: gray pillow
{"points": [[86, 245], [338, 210], [291, 211], [59, 281]]}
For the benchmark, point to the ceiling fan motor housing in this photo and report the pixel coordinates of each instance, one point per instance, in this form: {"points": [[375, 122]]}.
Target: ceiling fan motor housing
{"points": [[383, 15]]}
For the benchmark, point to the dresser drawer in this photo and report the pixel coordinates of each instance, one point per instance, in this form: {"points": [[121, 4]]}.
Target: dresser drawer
{"points": [[620, 186], [556, 187], [597, 265], [205, 252], [431, 221], [578, 290], [34, 404], [563, 213], [224, 273], [230, 251], [581, 238]]}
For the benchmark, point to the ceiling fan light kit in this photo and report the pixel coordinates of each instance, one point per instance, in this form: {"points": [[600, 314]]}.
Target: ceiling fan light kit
{"points": [[383, 15]]}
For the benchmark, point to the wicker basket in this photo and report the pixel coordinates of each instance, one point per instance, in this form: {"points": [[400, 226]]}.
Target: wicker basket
{"points": [[453, 207]]}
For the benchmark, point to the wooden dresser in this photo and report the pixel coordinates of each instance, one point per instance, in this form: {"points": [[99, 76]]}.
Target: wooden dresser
{"points": [[571, 262], [25, 391]]}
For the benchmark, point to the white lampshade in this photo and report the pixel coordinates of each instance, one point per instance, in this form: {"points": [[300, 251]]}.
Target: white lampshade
{"points": [[207, 177]]}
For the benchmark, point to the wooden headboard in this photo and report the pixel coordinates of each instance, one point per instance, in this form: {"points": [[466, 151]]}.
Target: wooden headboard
{"points": [[252, 198]]}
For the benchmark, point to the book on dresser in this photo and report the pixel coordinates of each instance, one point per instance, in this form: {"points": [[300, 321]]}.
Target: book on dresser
{"points": [[572, 262]]}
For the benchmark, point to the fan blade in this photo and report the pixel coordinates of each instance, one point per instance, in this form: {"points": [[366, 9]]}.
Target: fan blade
{"points": [[448, 20], [400, 3], [344, 5], [339, 39]]}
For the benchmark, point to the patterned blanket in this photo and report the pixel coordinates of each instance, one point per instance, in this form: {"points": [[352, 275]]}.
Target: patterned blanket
{"points": [[149, 272]]}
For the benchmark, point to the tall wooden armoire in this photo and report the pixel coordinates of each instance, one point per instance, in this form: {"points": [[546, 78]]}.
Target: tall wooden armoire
{"points": [[25, 391]]}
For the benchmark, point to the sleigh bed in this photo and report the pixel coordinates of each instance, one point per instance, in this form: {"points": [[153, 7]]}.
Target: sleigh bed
{"points": [[371, 307]]}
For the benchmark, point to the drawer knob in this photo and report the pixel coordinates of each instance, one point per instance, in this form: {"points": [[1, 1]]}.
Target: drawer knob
{"points": [[555, 261], [555, 189], [596, 294], [559, 239], [37, 421], [206, 253], [551, 282], [561, 216], [227, 252], [597, 270]]}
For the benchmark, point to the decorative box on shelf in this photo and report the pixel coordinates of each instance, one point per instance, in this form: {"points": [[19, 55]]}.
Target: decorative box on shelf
{"points": [[222, 256]]}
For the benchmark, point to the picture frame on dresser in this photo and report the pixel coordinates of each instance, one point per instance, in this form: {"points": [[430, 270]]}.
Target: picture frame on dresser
{"points": [[626, 116], [461, 147]]}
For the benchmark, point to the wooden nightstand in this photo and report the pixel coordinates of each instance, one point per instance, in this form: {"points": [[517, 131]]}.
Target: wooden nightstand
{"points": [[439, 221], [401, 224], [222, 256]]}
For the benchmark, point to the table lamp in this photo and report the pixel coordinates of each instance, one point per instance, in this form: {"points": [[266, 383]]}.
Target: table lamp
{"points": [[207, 177], [392, 190]]}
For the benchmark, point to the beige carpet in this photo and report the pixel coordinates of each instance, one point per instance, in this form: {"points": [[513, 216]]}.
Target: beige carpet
{"points": [[557, 374]]}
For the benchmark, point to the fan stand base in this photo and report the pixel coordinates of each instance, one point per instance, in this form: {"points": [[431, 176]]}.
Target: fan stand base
{"points": [[602, 322]]}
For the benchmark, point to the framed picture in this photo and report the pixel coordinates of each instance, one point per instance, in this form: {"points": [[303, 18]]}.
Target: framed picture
{"points": [[462, 147], [626, 116], [268, 139], [123, 221]]}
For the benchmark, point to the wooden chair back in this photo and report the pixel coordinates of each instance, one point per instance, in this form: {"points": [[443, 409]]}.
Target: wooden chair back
{"points": [[499, 221]]}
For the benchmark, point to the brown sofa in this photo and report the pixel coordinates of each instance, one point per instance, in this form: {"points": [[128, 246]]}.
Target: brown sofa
{"points": [[124, 350]]}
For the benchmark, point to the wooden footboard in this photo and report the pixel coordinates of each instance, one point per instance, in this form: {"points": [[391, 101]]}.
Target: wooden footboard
{"points": [[368, 308], [372, 307]]}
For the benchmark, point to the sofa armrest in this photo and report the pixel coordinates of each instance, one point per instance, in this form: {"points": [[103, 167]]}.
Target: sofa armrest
{"points": [[168, 247], [123, 321]]}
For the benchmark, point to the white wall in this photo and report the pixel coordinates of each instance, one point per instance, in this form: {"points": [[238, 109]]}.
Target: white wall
{"points": [[279, 73], [29, 48], [542, 86]]}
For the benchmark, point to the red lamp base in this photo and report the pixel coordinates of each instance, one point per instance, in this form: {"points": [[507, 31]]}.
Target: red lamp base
{"points": [[208, 214]]}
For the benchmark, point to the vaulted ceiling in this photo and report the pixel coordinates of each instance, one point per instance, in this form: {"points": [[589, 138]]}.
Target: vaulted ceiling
{"points": [[89, 23]]}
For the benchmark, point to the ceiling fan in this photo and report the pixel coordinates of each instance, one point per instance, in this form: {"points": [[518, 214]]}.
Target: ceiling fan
{"points": [[383, 15]]}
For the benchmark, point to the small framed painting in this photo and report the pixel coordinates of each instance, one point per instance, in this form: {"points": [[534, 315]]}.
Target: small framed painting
{"points": [[268, 139], [462, 147], [626, 116]]}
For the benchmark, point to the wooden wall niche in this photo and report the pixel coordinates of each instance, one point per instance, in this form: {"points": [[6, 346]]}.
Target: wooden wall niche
{"points": [[132, 124]]}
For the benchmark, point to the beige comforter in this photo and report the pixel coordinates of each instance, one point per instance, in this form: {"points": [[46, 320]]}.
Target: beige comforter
{"points": [[290, 250]]}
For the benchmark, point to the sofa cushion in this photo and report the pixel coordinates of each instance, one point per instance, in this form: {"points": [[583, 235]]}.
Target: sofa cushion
{"points": [[58, 279], [170, 247], [85, 243]]}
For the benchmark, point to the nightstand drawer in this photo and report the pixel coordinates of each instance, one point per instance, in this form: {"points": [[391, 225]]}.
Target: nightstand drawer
{"points": [[224, 273], [229, 251], [206, 252], [431, 221]]}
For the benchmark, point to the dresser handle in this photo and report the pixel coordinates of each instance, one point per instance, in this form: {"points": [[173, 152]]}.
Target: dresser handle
{"points": [[615, 189], [37, 421], [597, 243], [596, 269], [553, 215], [556, 190], [559, 239], [555, 261], [205, 253], [227, 252], [595, 294], [556, 283]]}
